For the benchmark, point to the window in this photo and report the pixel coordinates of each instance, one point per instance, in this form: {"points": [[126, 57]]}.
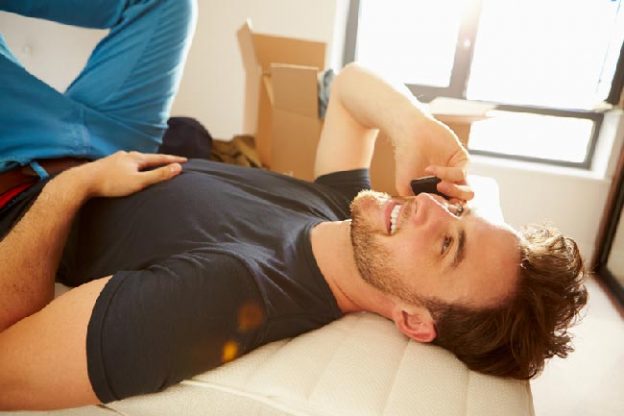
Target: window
{"points": [[548, 65], [391, 43]]}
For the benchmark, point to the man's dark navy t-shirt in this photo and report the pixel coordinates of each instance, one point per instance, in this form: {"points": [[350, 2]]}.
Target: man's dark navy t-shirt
{"points": [[205, 267]]}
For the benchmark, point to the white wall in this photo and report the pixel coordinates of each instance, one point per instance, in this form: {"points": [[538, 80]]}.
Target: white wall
{"points": [[52, 52], [213, 85]]}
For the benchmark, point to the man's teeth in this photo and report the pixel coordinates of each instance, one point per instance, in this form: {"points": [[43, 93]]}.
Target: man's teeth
{"points": [[393, 218]]}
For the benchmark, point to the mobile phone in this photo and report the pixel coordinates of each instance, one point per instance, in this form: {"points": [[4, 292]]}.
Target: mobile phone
{"points": [[427, 184]]}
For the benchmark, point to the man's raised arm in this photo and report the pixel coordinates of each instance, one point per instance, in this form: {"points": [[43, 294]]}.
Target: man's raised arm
{"points": [[31, 251], [361, 103]]}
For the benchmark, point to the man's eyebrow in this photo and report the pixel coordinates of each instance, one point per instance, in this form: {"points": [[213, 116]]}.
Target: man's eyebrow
{"points": [[460, 252]]}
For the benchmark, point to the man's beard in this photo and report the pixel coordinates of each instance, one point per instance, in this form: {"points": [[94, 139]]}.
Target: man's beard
{"points": [[372, 259]]}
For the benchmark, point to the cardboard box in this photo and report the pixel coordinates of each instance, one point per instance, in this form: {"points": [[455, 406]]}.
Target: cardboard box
{"points": [[283, 73]]}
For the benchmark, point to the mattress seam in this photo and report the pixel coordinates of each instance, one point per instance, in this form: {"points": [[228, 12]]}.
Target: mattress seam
{"points": [[394, 378], [256, 396], [322, 373], [256, 370]]}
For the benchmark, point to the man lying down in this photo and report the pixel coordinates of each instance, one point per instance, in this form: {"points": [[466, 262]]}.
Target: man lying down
{"points": [[177, 268]]}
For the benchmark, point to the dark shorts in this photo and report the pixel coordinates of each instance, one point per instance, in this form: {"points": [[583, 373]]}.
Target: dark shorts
{"points": [[17, 207]]}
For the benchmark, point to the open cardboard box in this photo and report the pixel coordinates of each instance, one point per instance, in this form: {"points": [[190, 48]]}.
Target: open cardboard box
{"points": [[284, 71]]}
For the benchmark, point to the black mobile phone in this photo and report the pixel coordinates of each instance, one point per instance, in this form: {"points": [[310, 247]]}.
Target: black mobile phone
{"points": [[428, 184]]}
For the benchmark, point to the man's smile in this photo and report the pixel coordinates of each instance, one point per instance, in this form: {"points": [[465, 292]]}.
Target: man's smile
{"points": [[394, 215]]}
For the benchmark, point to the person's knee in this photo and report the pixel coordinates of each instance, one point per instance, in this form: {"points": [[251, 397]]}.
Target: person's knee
{"points": [[179, 13], [177, 17], [183, 12]]}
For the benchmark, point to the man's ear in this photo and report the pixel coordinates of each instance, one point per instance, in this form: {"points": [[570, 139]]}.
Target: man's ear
{"points": [[416, 323]]}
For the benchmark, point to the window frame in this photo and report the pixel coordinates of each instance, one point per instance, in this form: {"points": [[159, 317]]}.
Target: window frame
{"points": [[459, 82]]}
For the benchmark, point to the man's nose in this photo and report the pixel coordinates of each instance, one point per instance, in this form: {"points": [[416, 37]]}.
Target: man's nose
{"points": [[434, 211]]}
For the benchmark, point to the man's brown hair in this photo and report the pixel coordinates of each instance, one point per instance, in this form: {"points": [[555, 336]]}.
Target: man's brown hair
{"points": [[515, 338]]}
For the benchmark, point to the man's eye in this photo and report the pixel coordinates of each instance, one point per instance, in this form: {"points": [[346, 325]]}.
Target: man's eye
{"points": [[446, 243], [455, 209], [458, 210]]}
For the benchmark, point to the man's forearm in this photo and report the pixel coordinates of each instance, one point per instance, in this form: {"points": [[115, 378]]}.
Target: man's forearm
{"points": [[31, 252], [374, 103], [361, 102]]}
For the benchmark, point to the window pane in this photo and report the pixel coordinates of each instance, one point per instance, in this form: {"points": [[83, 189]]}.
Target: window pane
{"points": [[409, 40], [532, 135], [547, 53]]}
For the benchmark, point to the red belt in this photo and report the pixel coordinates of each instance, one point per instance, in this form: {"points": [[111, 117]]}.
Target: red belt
{"points": [[24, 175]]}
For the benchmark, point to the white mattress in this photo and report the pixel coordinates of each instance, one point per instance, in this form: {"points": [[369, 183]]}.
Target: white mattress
{"points": [[359, 365]]}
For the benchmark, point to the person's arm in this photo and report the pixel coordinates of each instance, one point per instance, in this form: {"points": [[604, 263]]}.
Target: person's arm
{"points": [[31, 251], [361, 103]]}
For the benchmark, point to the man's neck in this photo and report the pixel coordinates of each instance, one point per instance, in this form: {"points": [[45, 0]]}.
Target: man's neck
{"points": [[331, 245]]}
